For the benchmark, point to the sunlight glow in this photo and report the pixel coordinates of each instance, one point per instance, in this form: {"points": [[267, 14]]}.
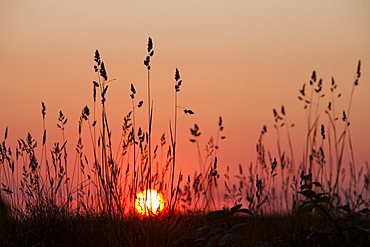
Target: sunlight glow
{"points": [[149, 202]]}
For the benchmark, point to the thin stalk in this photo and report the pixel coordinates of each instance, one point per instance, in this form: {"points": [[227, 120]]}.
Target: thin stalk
{"points": [[173, 142], [134, 160], [332, 121], [308, 140], [346, 128], [149, 134]]}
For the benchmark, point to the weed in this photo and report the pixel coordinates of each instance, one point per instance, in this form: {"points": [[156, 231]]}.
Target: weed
{"points": [[44, 201]]}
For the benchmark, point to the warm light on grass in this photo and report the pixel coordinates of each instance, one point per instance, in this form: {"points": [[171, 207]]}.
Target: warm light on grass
{"points": [[149, 202]]}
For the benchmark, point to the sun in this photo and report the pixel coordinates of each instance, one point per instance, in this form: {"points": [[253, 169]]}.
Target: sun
{"points": [[149, 202]]}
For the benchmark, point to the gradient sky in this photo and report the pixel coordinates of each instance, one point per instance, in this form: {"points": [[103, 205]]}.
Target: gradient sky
{"points": [[237, 59]]}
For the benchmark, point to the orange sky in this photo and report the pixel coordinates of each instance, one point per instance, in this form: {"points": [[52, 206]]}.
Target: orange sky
{"points": [[237, 59]]}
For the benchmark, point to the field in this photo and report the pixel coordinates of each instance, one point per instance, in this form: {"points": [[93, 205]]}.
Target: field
{"points": [[47, 200]]}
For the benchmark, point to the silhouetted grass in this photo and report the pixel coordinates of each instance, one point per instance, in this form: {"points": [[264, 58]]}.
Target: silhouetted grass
{"points": [[46, 200]]}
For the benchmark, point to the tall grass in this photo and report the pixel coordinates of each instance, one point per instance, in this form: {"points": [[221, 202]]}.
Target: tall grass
{"points": [[46, 201]]}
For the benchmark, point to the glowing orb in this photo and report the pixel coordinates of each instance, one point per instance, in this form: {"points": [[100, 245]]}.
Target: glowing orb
{"points": [[149, 202]]}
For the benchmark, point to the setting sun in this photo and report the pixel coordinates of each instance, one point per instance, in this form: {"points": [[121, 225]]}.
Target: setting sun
{"points": [[149, 202]]}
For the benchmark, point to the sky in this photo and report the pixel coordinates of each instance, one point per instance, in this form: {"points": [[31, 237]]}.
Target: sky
{"points": [[237, 59]]}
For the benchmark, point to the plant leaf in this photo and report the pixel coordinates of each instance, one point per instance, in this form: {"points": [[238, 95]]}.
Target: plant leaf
{"points": [[229, 238], [244, 210], [236, 208], [202, 232], [236, 226], [218, 214], [308, 193]]}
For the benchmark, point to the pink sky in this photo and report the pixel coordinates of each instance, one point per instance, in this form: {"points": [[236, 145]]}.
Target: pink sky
{"points": [[237, 59]]}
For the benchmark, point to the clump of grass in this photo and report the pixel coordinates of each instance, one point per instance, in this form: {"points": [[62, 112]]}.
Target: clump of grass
{"points": [[47, 202]]}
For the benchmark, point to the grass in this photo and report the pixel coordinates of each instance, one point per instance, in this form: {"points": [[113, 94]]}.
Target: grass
{"points": [[47, 201]]}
